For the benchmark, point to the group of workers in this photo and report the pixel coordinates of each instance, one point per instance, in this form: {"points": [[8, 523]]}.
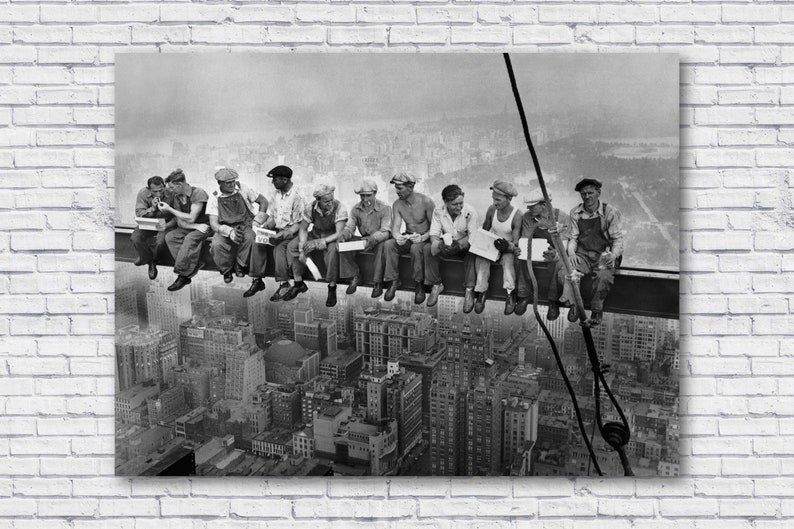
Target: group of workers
{"points": [[592, 236]]}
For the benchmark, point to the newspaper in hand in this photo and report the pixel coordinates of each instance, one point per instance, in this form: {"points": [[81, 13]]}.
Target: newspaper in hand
{"points": [[482, 244], [538, 247], [150, 223], [263, 235]]}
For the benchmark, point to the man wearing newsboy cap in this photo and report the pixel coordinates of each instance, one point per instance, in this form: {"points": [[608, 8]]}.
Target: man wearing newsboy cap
{"points": [[596, 245], [536, 224], [283, 215], [327, 218], [416, 211], [233, 210], [372, 219]]}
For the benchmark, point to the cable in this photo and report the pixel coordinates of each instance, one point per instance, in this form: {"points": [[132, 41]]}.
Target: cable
{"points": [[615, 434]]}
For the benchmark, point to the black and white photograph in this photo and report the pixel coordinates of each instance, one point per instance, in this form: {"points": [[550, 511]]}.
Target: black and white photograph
{"points": [[393, 264]]}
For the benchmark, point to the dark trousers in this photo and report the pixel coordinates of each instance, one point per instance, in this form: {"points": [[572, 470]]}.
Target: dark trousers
{"points": [[602, 281], [330, 257], [556, 279], [392, 252], [433, 272], [281, 260], [148, 244], [226, 253], [348, 267], [185, 247]]}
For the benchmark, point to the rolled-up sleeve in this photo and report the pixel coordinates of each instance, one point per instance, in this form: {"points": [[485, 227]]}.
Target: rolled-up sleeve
{"points": [[341, 213], [142, 204], [473, 222], [435, 224], [615, 231]]}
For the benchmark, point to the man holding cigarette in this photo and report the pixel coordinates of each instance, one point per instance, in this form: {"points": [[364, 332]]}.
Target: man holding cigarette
{"points": [[372, 218], [149, 243], [416, 210]]}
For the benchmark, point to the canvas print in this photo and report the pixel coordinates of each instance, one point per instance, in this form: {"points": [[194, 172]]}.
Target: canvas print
{"points": [[396, 264]]}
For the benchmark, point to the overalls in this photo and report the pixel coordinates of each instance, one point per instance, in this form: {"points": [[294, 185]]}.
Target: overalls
{"points": [[591, 243], [234, 212], [322, 226]]}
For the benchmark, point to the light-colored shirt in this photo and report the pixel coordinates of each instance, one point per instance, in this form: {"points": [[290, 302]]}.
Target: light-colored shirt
{"points": [[313, 209], [611, 226], [248, 194], [464, 224], [286, 208], [375, 222]]}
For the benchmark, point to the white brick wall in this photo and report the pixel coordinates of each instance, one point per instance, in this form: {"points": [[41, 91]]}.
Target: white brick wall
{"points": [[737, 323]]}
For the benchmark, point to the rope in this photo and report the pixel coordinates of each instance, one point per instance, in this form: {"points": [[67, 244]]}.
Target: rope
{"points": [[615, 434]]}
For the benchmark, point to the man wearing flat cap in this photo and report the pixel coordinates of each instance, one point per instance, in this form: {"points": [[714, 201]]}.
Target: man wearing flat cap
{"points": [[537, 224], [284, 211], [232, 211], [595, 246], [372, 219], [502, 221], [327, 218], [416, 211], [186, 241], [455, 222]]}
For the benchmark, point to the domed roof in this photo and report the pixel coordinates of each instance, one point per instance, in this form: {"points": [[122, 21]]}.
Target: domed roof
{"points": [[285, 352]]}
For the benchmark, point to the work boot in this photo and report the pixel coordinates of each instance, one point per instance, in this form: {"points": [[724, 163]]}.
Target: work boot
{"points": [[573, 314], [138, 261], [554, 311], [256, 285], [298, 288], [330, 301], [351, 288], [419, 294], [377, 290], [227, 277], [468, 300], [596, 317], [282, 289], [152, 270], [392, 291], [510, 303], [434, 293], [521, 306], [181, 281], [479, 304], [238, 271]]}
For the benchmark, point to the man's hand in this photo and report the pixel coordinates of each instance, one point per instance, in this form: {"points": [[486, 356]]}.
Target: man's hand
{"points": [[305, 246], [555, 228], [203, 228], [163, 206], [550, 254], [233, 236], [259, 219], [401, 240], [370, 243], [576, 260], [502, 245], [415, 237], [270, 224]]}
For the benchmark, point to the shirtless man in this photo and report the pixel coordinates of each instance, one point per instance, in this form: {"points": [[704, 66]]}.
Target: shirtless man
{"points": [[416, 210]]}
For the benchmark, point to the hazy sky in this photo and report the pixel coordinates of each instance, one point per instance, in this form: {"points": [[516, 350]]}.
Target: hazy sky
{"points": [[168, 95]]}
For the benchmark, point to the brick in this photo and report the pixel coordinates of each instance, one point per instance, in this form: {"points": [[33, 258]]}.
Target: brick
{"points": [[507, 13], [223, 34], [777, 34], [776, 75], [746, 137], [438, 508], [67, 54], [129, 13], [725, 116], [688, 507], [418, 35], [773, 487], [161, 34], [69, 13], [43, 34], [128, 507], [746, 96], [17, 507], [42, 116], [759, 13], [451, 14], [357, 35], [748, 54], [17, 55], [23, 305], [480, 35], [480, 488], [718, 366], [689, 13], [627, 13], [267, 13], [42, 487], [564, 14], [298, 35], [665, 35], [542, 35], [417, 487], [66, 96], [749, 508], [70, 466], [567, 507], [606, 34], [620, 507], [724, 487], [40, 241], [196, 13], [385, 15], [722, 241], [39, 75], [260, 508], [724, 34], [42, 158], [723, 75], [775, 157], [746, 386], [63, 137], [715, 446]]}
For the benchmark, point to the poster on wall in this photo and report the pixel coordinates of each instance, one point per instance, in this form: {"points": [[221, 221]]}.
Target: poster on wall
{"points": [[346, 264]]}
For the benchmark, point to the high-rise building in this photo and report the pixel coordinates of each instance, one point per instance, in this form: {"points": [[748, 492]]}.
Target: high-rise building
{"points": [[341, 366], [207, 341], [383, 335], [404, 403], [144, 355], [519, 425], [447, 306], [483, 426], [469, 345], [288, 362], [245, 371], [126, 306], [167, 310], [167, 406], [447, 429], [195, 381], [314, 333]]}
